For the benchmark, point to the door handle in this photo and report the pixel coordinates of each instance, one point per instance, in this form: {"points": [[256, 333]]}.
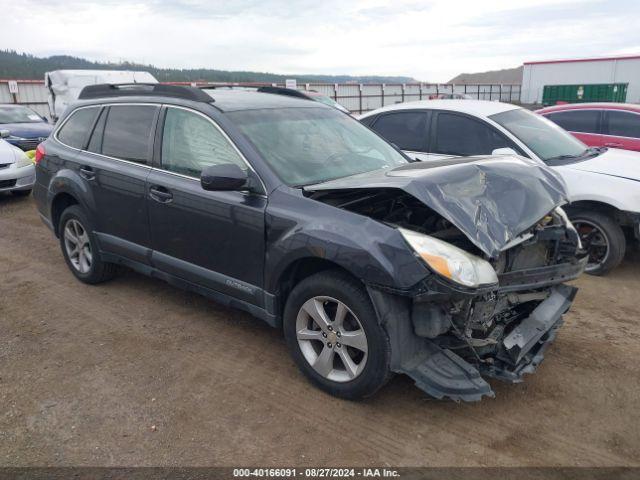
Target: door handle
{"points": [[87, 172], [160, 194]]}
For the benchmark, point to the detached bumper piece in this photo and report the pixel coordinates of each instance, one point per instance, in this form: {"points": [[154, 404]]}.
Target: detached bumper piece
{"points": [[442, 373]]}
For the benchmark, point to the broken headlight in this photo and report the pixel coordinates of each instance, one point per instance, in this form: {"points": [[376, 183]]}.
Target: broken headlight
{"points": [[451, 262]]}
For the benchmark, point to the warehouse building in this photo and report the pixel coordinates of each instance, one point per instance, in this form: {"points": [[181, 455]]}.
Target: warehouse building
{"points": [[614, 79]]}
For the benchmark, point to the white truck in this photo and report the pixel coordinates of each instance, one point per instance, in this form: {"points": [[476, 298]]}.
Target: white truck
{"points": [[64, 86]]}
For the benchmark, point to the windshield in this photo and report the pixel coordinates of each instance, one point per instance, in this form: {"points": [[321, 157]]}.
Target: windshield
{"points": [[546, 139], [18, 115], [312, 145]]}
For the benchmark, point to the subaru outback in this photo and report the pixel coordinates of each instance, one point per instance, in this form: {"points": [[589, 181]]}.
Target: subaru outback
{"points": [[450, 272]]}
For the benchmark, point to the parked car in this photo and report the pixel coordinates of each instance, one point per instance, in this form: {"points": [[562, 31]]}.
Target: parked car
{"points": [[602, 182], [615, 125], [17, 172], [370, 262], [26, 129]]}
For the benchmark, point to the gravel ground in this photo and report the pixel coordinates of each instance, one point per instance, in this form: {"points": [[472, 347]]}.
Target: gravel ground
{"points": [[136, 372]]}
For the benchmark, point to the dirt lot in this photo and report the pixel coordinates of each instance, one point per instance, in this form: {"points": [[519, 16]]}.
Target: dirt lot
{"points": [[87, 372]]}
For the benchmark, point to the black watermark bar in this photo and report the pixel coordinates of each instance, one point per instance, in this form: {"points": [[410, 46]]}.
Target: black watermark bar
{"points": [[215, 473]]}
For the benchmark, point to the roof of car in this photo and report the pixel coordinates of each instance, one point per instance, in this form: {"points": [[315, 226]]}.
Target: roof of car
{"points": [[599, 105], [229, 100], [473, 107]]}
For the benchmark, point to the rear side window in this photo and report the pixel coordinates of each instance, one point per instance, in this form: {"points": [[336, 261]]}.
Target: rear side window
{"points": [[582, 121], [624, 124], [75, 131], [407, 130], [463, 136], [190, 143], [128, 132]]}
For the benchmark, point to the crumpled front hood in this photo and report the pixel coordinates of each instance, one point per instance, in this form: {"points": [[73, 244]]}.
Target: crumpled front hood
{"points": [[615, 162], [492, 200]]}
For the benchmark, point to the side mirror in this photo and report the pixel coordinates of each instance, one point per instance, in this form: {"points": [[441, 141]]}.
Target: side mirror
{"points": [[5, 133], [224, 177], [504, 151]]}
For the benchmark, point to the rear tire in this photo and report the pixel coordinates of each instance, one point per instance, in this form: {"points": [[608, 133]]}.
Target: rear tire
{"points": [[587, 222], [352, 339], [80, 248]]}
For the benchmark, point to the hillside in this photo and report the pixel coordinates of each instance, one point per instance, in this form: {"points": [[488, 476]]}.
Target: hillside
{"points": [[508, 75], [25, 66]]}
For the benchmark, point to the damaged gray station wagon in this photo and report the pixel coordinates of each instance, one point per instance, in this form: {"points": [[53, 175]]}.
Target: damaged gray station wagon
{"points": [[448, 272]]}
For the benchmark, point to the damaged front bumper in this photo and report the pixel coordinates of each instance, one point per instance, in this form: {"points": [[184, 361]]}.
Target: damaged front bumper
{"points": [[519, 349]]}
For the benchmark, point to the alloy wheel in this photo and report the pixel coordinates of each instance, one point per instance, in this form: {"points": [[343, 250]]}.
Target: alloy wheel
{"points": [[332, 339], [78, 246]]}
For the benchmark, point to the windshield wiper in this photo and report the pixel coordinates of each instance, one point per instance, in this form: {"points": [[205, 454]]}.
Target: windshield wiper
{"points": [[588, 153]]}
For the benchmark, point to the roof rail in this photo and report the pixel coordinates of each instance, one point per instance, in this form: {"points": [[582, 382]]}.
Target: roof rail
{"points": [[143, 89], [289, 92]]}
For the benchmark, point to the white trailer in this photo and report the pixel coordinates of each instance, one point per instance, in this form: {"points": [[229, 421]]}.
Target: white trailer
{"points": [[64, 86]]}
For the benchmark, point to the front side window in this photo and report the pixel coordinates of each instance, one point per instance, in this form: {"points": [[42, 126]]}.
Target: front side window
{"points": [[543, 137], [581, 121], [624, 124], [191, 142], [464, 136], [312, 145], [128, 132], [75, 131], [407, 130]]}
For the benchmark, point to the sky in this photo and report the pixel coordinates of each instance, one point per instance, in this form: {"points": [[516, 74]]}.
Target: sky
{"points": [[429, 40]]}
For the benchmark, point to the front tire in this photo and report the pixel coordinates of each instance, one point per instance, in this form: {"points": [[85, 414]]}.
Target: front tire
{"points": [[603, 238], [334, 336], [80, 249]]}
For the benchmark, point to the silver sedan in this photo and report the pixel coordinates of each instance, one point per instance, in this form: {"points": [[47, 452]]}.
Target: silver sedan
{"points": [[17, 171]]}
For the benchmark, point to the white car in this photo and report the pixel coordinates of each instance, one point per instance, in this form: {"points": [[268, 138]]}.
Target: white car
{"points": [[603, 184], [17, 171]]}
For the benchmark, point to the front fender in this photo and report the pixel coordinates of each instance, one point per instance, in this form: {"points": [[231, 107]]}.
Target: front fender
{"points": [[371, 251], [621, 193]]}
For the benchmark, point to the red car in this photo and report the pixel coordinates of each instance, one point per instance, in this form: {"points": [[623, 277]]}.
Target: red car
{"points": [[614, 125]]}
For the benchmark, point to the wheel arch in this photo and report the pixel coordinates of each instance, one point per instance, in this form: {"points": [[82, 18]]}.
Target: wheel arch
{"points": [[302, 268], [60, 202]]}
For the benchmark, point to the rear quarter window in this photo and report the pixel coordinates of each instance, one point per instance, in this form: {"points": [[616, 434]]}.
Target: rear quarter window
{"points": [[75, 131]]}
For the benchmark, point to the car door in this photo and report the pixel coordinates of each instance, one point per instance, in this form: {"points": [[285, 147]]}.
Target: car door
{"points": [[214, 239], [454, 134], [406, 129], [622, 129], [584, 124], [114, 163]]}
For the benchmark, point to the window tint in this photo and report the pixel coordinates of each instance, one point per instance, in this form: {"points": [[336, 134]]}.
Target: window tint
{"points": [[624, 124], [190, 143], [459, 135], [584, 121], [404, 129], [128, 132], [75, 130]]}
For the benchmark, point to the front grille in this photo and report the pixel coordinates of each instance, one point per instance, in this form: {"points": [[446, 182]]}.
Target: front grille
{"points": [[27, 145], [7, 183]]}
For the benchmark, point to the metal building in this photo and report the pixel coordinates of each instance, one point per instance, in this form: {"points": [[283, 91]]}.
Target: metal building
{"points": [[581, 72]]}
